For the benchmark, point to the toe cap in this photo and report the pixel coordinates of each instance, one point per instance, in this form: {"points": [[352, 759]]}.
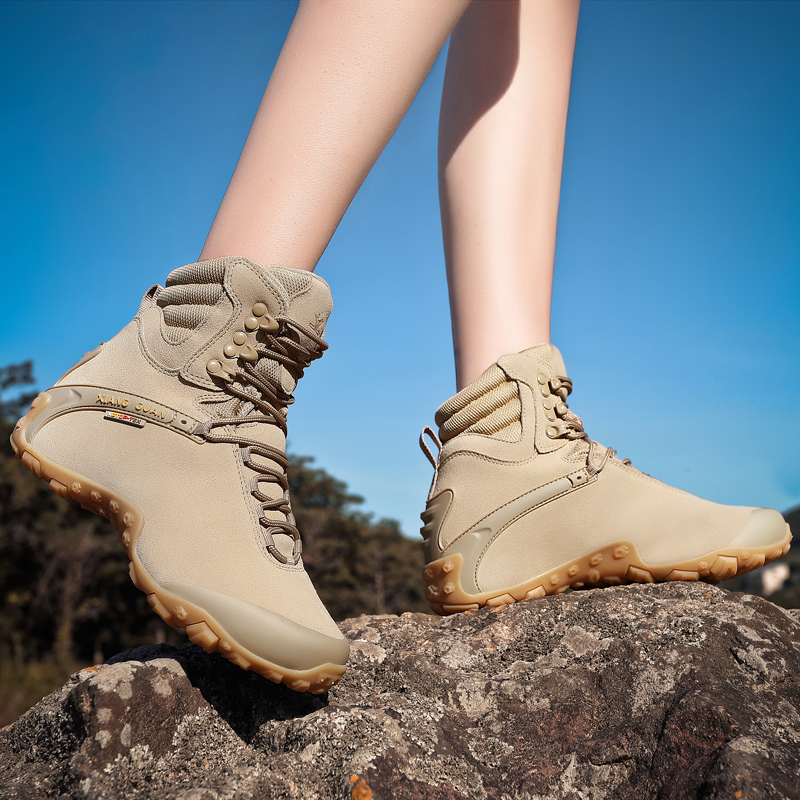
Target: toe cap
{"points": [[264, 633], [763, 528]]}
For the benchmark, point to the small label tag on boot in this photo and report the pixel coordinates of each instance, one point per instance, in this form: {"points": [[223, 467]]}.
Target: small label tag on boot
{"points": [[127, 419]]}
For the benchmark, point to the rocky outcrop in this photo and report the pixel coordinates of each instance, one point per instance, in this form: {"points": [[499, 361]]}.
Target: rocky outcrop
{"points": [[669, 691]]}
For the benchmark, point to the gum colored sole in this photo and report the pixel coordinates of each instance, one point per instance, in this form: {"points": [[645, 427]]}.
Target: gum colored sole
{"points": [[616, 564], [128, 519]]}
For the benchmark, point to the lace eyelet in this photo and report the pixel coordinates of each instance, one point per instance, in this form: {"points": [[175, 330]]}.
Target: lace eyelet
{"points": [[244, 351], [544, 388], [261, 319], [216, 369]]}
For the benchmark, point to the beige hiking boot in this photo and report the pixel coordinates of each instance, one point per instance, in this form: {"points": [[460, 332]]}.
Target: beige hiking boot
{"points": [[175, 431], [523, 504]]}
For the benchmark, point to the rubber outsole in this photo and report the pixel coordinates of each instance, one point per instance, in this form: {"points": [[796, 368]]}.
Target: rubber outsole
{"points": [[128, 519], [616, 564]]}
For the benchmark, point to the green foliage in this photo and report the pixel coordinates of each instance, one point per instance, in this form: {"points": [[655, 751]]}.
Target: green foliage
{"points": [[65, 595], [66, 600], [358, 566], [22, 684], [12, 377]]}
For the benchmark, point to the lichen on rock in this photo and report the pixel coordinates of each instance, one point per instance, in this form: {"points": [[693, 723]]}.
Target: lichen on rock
{"points": [[669, 691]]}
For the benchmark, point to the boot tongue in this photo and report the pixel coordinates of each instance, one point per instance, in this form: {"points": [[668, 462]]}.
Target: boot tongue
{"points": [[307, 300], [306, 295], [550, 354]]}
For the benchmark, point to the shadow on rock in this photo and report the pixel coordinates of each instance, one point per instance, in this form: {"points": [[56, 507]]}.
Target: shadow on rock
{"points": [[245, 700]]}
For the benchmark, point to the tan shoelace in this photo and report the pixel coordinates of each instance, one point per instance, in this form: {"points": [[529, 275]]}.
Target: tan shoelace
{"points": [[572, 427], [270, 401]]}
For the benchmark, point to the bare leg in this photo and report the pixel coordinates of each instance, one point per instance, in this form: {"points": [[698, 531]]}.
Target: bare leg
{"points": [[346, 76], [501, 147]]}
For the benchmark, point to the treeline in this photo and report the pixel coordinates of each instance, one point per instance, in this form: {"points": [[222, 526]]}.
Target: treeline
{"points": [[66, 600]]}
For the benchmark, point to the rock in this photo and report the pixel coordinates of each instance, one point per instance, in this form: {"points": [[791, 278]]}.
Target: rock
{"points": [[670, 691]]}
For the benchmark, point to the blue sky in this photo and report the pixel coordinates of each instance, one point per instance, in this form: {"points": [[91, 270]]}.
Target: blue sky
{"points": [[677, 289]]}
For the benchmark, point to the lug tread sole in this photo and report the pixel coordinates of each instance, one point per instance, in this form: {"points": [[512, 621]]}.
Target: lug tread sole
{"points": [[614, 565], [128, 519]]}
